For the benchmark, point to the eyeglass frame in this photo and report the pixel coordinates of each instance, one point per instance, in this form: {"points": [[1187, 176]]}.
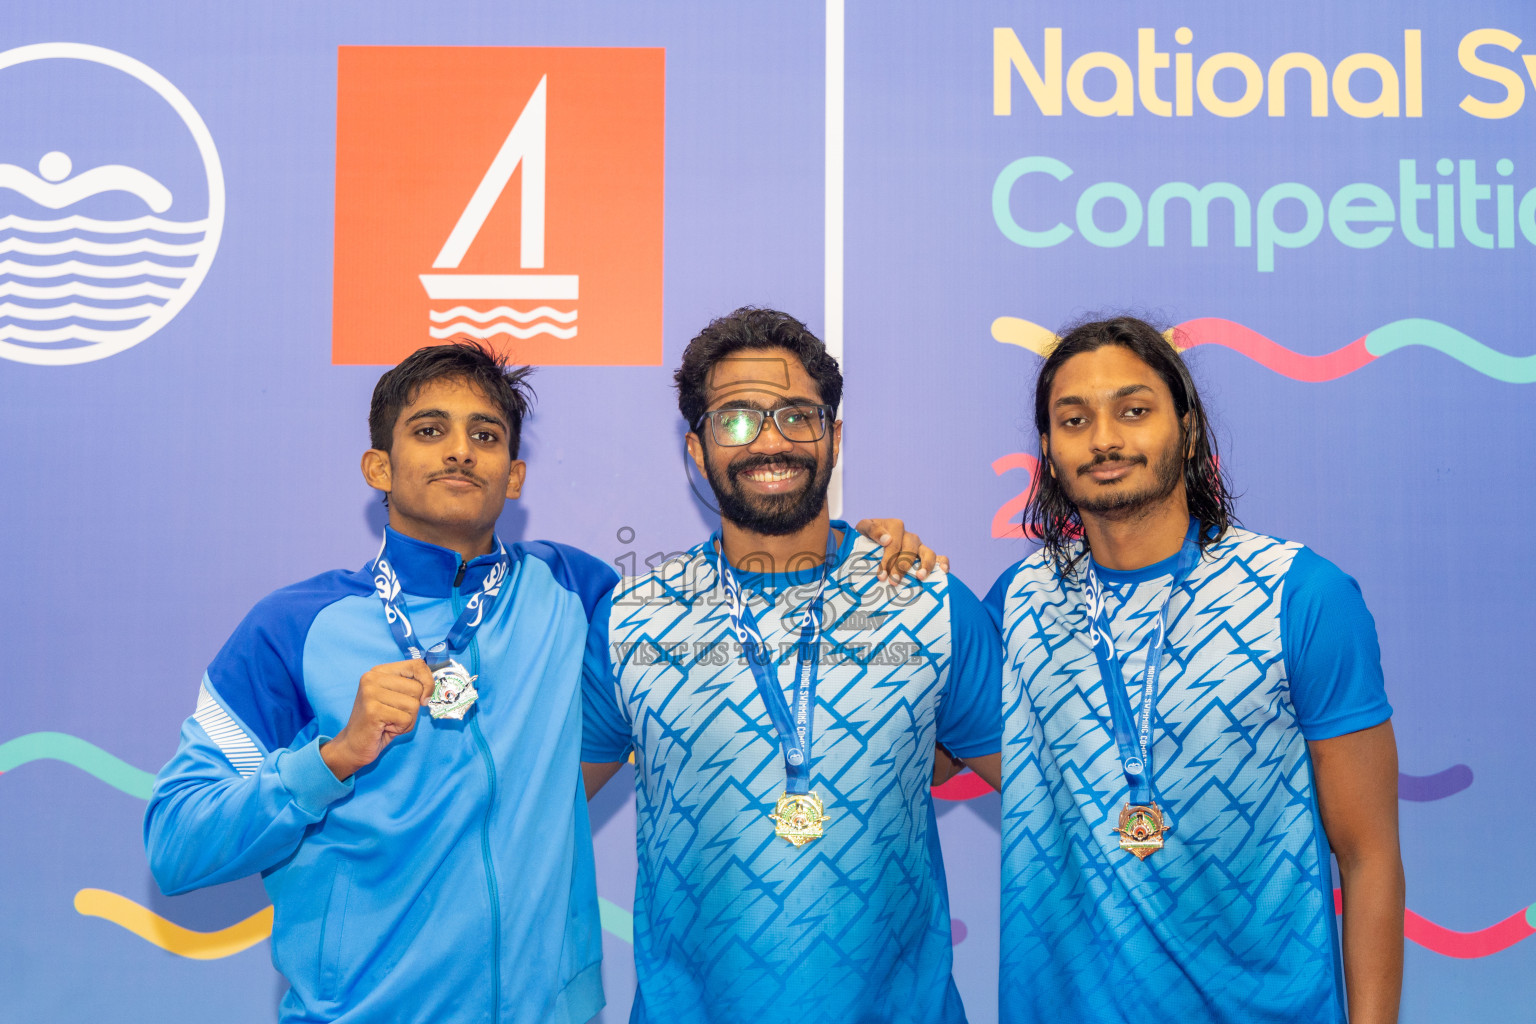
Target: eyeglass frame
{"points": [[711, 415]]}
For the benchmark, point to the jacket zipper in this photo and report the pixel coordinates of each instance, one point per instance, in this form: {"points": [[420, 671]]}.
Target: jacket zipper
{"points": [[485, 822]]}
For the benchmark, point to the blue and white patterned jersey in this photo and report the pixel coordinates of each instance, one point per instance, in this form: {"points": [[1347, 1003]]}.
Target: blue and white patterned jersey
{"points": [[1269, 646], [733, 924]]}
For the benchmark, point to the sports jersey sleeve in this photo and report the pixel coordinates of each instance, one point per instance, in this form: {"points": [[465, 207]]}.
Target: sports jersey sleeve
{"points": [[585, 575], [247, 780], [605, 733], [1332, 657], [993, 602], [969, 718]]}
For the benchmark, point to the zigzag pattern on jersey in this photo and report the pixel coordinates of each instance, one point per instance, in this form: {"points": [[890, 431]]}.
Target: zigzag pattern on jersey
{"points": [[1234, 912], [727, 915]]}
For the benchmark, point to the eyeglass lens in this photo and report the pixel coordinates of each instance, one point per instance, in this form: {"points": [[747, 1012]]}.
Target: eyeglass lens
{"points": [[736, 427]]}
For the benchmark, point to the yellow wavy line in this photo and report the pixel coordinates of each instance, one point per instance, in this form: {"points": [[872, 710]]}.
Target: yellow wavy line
{"points": [[1013, 330], [173, 938]]}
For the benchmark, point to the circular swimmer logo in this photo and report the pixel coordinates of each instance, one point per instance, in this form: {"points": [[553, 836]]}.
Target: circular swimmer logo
{"points": [[109, 220]]}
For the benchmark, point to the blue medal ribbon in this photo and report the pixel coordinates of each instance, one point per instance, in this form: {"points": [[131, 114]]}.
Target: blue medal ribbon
{"points": [[794, 728], [386, 583], [1133, 734]]}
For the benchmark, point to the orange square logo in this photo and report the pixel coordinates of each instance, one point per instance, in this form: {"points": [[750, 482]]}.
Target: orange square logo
{"points": [[510, 194]]}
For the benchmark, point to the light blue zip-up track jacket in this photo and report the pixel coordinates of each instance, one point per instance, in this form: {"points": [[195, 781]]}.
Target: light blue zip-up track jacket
{"points": [[452, 879]]}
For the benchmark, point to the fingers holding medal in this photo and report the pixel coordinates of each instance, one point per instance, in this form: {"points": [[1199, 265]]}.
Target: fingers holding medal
{"points": [[389, 700]]}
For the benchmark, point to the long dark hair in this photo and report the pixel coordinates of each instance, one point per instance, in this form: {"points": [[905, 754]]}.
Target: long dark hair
{"points": [[1051, 515]]}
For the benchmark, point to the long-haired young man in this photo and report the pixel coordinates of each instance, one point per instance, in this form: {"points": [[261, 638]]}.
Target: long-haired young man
{"points": [[1194, 718]]}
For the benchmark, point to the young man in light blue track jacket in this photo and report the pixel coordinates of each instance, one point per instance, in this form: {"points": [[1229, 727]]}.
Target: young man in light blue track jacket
{"points": [[421, 868]]}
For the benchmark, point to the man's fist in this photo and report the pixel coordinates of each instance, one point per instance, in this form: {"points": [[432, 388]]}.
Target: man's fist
{"points": [[389, 697]]}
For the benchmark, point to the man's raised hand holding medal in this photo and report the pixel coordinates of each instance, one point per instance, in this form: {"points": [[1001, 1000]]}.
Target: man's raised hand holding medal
{"points": [[389, 700]]}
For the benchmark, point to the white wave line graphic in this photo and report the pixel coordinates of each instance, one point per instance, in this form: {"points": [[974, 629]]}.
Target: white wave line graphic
{"points": [[91, 248], [105, 314], [106, 227], [57, 194], [461, 327], [105, 270], [8, 333], [482, 315], [79, 289]]}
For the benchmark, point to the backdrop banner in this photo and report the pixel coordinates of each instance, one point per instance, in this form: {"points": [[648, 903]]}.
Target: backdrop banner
{"points": [[219, 223]]}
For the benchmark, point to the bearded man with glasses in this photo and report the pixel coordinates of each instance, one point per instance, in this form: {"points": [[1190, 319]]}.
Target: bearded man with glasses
{"points": [[783, 704]]}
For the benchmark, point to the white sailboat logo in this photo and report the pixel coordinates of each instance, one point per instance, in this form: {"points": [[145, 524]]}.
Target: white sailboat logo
{"points": [[525, 146], [76, 288]]}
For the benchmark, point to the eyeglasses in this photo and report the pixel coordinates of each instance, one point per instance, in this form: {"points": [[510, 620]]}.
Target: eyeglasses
{"points": [[732, 428]]}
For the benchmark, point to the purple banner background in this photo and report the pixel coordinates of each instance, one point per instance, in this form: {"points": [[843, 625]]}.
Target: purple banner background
{"points": [[152, 497]]}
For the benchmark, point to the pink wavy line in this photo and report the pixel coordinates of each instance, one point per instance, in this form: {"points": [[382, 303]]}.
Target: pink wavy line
{"points": [[1312, 369], [1462, 945], [965, 786]]}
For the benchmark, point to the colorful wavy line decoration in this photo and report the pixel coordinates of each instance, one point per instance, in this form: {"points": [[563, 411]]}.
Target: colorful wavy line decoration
{"points": [[957, 931], [82, 754], [172, 937], [618, 922], [1463, 945], [1417, 788], [120, 775], [1423, 788], [965, 786], [1413, 331], [237, 938]]}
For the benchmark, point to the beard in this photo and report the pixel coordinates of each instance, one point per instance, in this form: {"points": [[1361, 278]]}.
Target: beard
{"points": [[1120, 504], [772, 515]]}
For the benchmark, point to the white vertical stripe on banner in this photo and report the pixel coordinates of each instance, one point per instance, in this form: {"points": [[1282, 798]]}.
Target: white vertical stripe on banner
{"points": [[832, 326]]}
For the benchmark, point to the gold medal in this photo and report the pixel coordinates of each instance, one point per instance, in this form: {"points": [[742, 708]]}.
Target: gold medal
{"points": [[1141, 829], [799, 818]]}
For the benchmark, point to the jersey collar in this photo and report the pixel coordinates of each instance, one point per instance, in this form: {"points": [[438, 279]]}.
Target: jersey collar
{"points": [[773, 582], [428, 570]]}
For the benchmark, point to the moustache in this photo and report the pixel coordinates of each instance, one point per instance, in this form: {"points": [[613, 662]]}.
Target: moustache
{"points": [[1111, 460], [457, 473], [754, 462]]}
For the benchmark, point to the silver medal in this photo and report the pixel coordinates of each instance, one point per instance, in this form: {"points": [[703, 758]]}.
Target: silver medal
{"points": [[453, 691]]}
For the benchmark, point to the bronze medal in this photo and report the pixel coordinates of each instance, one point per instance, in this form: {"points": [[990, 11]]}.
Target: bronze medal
{"points": [[1141, 829]]}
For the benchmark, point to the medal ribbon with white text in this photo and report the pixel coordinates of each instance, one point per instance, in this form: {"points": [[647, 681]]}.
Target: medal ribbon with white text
{"points": [[1133, 733], [387, 585], [794, 729]]}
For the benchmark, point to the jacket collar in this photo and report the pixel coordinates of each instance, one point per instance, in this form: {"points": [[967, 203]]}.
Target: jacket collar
{"points": [[427, 570]]}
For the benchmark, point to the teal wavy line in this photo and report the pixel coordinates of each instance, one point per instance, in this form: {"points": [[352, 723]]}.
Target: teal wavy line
{"points": [[1433, 334], [115, 772], [89, 758], [616, 920]]}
